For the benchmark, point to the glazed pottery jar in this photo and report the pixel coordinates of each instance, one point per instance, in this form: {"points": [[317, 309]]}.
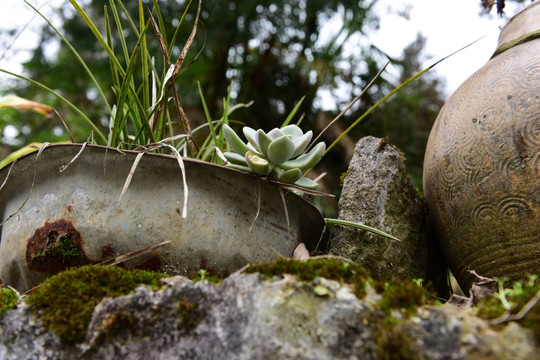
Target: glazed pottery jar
{"points": [[482, 163]]}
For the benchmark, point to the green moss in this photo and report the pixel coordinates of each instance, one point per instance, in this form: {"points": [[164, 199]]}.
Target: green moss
{"points": [[8, 300], [64, 249], [65, 302], [405, 295], [513, 298], [188, 314], [121, 323], [393, 342], [342, 177], [308, 270]]}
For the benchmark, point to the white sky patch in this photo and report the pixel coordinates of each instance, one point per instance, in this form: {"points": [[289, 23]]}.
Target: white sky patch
{"points": [[16, 14], [448, 26]]}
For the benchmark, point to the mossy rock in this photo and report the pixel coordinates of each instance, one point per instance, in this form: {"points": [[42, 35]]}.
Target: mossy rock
{"points": [[65, 302], [406, 295], [307, 270]]}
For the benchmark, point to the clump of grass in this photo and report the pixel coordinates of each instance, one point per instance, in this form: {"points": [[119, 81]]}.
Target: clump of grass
{"points": [[206, 275], [65, 302], [140, 113], [8, 300]]}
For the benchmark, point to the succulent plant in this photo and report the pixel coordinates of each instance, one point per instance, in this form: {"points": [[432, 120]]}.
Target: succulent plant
{"points": [[277, 154]]}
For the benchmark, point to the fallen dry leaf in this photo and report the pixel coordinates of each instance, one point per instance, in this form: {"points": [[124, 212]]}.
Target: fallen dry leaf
{"points": [[301, 253], [488, 4], [15, 102]]}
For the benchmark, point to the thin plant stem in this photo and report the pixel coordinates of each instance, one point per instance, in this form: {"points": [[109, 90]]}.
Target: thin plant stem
{"points": [[349, 106], [76, 54], [387, 96], [98, 35], [66, 101]]}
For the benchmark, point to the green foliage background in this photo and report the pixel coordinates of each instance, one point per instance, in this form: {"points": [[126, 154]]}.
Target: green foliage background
{"points": [[273, 52]]}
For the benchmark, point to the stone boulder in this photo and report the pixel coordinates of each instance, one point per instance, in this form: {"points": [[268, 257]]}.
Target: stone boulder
{"points": [[248, 316], [377, 192]]}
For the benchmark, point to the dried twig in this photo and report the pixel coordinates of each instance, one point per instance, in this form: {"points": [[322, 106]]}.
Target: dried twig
{"points": [[258, 207], [65, 166], [323, 232], [507, 316], [349, 106], [66, 126], [329, 256], [130, 175], [131, 255], [40, 150], [285, 209], [178, 157], [9, 172]]}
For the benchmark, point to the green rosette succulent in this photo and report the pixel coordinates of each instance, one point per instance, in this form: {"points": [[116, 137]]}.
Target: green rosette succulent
{"points": [[277, 154]]}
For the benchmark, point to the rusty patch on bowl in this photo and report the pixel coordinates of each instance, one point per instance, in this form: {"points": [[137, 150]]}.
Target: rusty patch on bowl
{"points": [[153, 263], [54, 247], [107, 252]]}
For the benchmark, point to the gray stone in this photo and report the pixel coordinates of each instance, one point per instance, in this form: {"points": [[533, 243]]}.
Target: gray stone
{"points": [[248, 317], [377, 192]]}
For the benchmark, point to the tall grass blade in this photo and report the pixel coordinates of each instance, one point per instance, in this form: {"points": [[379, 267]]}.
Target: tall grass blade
{"points": [[76, 54], [97, 34], [398, 88], [63, 99], [359, 226], [293, 112]]}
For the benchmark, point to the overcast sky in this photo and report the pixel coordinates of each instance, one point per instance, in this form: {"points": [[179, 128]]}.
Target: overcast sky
{"points": [[447, 24]]}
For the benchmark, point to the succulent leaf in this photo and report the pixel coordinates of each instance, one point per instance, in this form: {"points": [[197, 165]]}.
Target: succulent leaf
{"points": [[290, 176], [235, 158], [280, 149], [277, 154], [306, 183], [306, 161], [301, 143], [251, 135], [292, 130], [234, 140], [253, 150], [239, 167], [257, 164], [275, 133], [263, 141]]}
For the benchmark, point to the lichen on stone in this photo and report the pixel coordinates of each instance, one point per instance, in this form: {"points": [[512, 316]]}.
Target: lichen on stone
{"points": [[64, 303]]}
